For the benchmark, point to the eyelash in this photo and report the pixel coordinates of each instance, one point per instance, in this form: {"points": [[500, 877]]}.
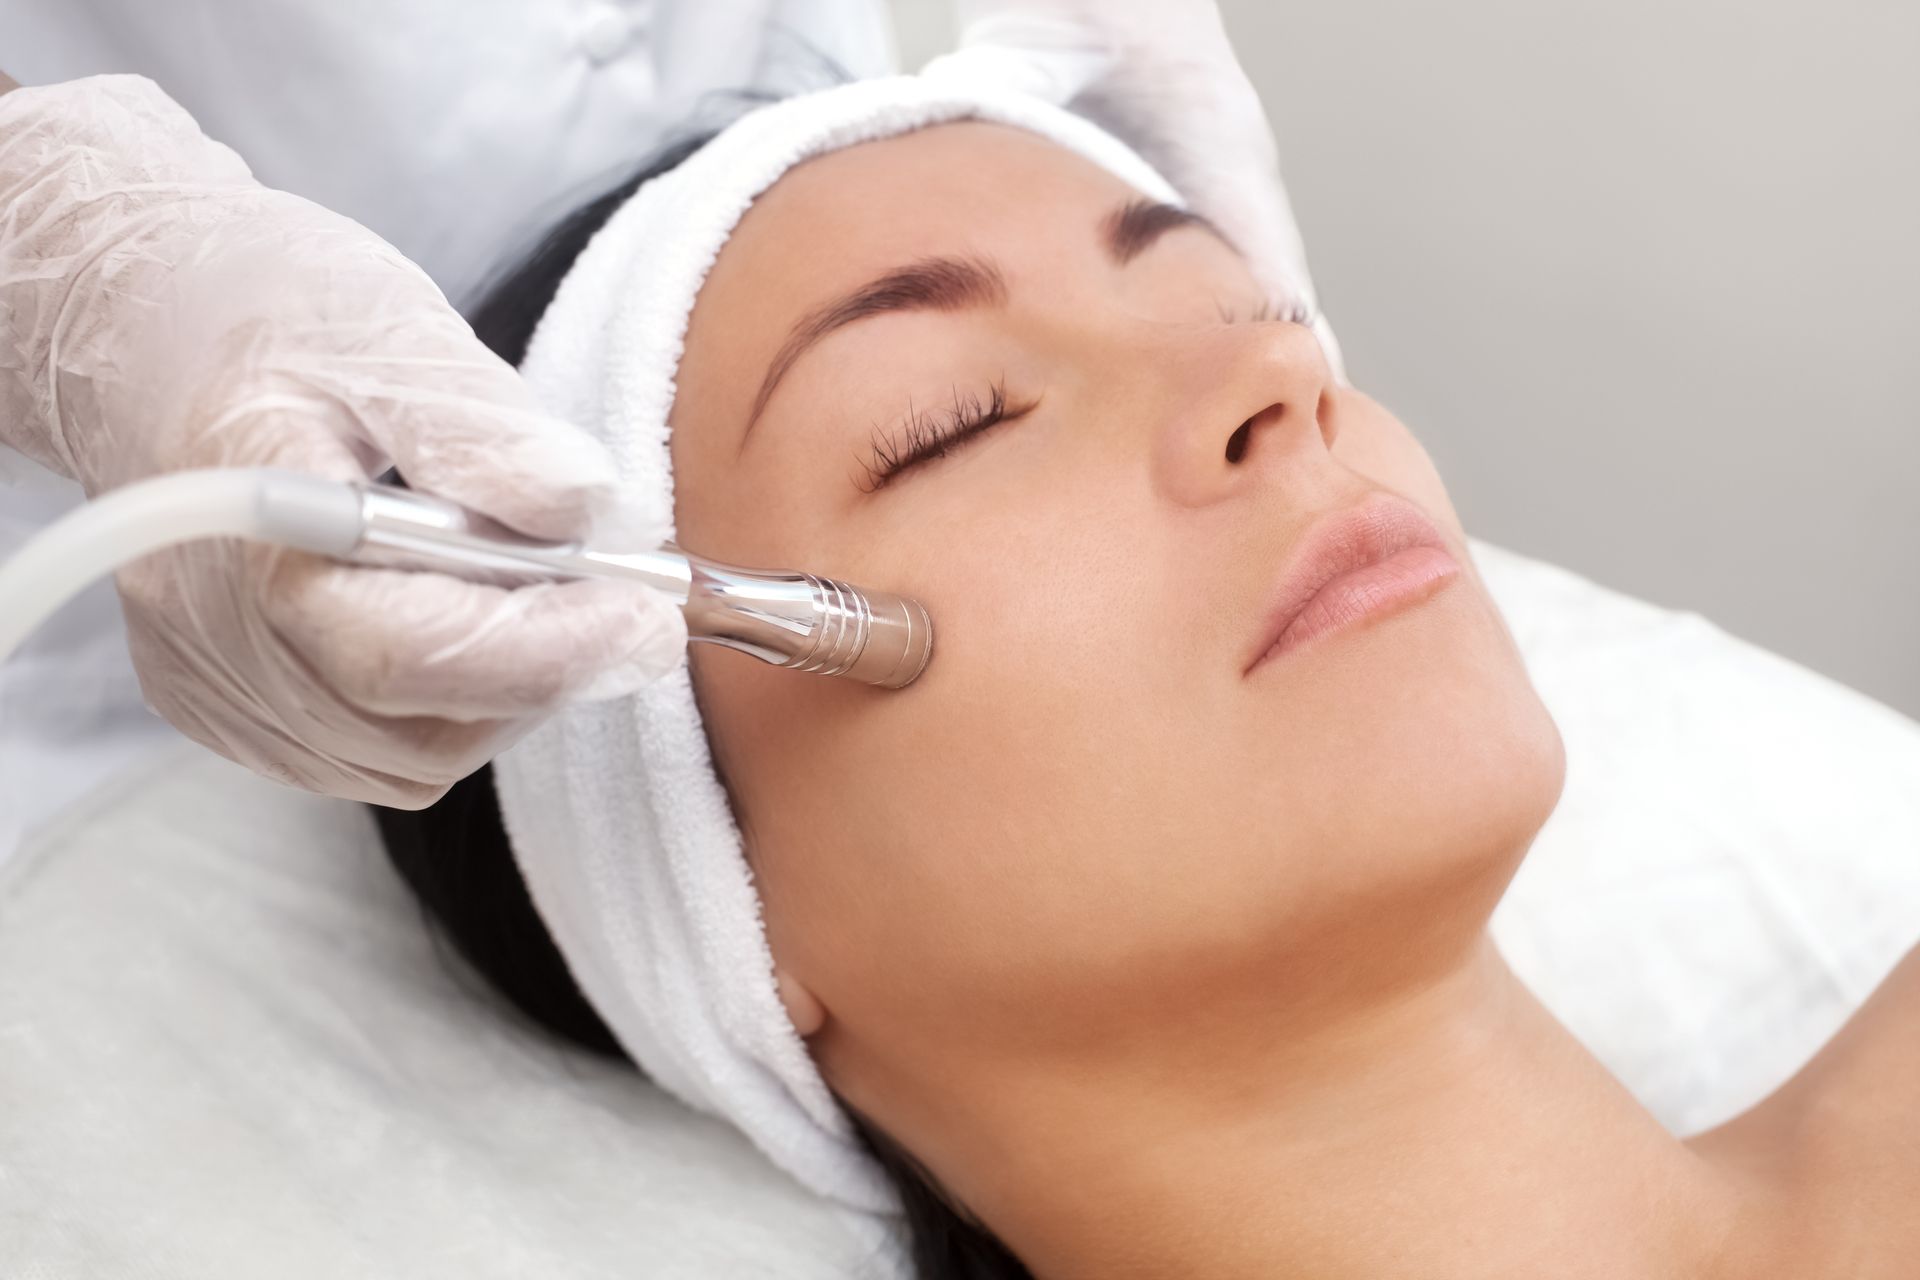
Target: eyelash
{"points": [[1299, 312], [927, 435]]}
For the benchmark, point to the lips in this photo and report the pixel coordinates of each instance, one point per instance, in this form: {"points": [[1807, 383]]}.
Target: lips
{"points": [[1374, 557]]}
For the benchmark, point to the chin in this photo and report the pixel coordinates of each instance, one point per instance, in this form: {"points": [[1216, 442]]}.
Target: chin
{"points": [[1439, 761]]}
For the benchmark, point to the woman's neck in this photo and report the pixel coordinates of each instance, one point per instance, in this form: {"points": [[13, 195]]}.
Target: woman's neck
{"points": [[1458, 1130]]}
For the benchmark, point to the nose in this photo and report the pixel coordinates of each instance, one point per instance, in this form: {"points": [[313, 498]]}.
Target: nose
{"points": [[1249, 406]]}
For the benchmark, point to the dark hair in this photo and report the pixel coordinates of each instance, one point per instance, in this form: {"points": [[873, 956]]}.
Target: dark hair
{"points": [[455, 856]]}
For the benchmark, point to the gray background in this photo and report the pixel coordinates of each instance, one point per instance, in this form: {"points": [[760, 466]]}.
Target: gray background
{"points": [[1644, 277]]}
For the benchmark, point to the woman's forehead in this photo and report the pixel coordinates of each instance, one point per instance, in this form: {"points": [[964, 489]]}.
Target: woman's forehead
{"points": [[972, 165], [962, 187], [832, 222]]}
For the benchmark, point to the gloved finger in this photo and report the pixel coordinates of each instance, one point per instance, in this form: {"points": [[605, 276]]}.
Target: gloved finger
{"points": [[463, 426], [278, 423], [1045, 56], [409, 380], [404, 762], [228, 682], [397, 643]]}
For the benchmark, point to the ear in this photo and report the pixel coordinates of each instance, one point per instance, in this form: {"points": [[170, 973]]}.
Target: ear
{"points": [[804, 1009]]}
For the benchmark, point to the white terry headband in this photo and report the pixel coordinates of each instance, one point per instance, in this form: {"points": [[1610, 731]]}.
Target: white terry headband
{"points": [[617, 818]]}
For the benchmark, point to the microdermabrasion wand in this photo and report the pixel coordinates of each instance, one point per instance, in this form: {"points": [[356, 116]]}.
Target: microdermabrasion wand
{"points": [[789, 619]]}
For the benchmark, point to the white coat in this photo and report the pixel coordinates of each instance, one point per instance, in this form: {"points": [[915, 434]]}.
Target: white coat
{"points": [[456, 129]]}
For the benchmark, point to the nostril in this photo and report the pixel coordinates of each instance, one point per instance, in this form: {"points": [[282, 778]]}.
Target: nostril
{"points": [[1237, 442]]}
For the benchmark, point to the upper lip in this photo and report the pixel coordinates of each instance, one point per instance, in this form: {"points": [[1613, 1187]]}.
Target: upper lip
{"points": [[1365, 533]]}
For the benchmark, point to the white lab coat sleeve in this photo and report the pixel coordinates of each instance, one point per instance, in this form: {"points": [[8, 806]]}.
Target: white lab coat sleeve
{"points": [[456, 129]]}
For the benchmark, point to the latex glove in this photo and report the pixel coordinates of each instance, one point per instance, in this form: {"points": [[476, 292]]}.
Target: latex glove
{"points": [[1161, 75], [163, 311]]}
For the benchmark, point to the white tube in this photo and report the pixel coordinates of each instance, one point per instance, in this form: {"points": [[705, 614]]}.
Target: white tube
{"points": [[56, 563]]}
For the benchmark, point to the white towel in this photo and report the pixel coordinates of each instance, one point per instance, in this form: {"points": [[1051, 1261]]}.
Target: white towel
{"points": [[617, 818]]}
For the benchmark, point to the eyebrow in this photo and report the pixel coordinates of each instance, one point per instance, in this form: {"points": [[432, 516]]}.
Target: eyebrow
{"points": [[1131, 230], [930, 284], [961, 283]]}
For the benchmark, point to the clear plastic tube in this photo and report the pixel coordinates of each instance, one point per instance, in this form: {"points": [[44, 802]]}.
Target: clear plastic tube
{"points": [[58, 562]]}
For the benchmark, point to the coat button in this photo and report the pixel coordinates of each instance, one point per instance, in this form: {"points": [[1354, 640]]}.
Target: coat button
{"points": [[605, 34]]}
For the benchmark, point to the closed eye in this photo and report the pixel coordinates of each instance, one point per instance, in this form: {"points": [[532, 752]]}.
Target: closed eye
{"points": [[929, 434]]}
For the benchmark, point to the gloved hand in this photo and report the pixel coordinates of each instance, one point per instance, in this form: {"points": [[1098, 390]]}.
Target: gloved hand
{"points": [[164, 311], [1161, 75]]}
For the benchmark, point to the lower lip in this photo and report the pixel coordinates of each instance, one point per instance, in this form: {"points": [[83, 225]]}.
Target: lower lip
{"points": [[1379, 589]]}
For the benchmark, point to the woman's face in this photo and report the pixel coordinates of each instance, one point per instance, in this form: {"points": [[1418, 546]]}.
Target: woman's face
{"points": [[1087, 822]]}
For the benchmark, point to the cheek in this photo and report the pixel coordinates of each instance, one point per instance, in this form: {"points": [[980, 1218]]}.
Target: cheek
{"points": [[881, 832], [1048, 861], [929, 840]]}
